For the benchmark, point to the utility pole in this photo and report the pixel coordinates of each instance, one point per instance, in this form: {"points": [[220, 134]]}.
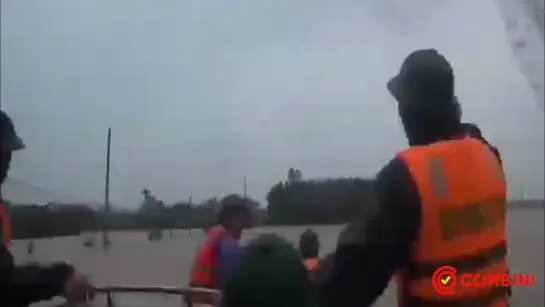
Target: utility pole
{"points": [[106, 217], [245, 188]]}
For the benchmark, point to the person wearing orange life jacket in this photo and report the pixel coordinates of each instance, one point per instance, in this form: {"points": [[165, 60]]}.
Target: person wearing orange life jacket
{"points": [[22, 285], [220, 251], [311, 264], [5, 228], [440, 202], [309, 247]]}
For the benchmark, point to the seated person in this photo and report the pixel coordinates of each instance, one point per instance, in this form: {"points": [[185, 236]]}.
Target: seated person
{"points": [[270, 273], [309, 247]]}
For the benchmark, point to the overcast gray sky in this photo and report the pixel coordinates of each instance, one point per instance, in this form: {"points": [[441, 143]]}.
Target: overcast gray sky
{"points": [[200, 93]]}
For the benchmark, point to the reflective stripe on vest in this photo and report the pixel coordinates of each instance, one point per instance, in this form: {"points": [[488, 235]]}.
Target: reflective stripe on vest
{"points": [[204, 270], [463, 197], [5, 228]]}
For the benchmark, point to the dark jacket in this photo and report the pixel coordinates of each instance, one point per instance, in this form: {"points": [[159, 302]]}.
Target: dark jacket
{"points": [[378, 242], [22, 285], [474, 131]]}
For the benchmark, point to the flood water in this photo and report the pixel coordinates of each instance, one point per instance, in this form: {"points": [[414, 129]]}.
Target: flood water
{"points": [[133, 260]]}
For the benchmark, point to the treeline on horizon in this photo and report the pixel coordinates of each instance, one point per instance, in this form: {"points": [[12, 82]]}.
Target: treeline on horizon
{"points": [[294, 201], [289, 202]]}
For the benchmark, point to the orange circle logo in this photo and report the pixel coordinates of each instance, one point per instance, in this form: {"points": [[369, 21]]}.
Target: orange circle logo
{"points": [[444, 280]]}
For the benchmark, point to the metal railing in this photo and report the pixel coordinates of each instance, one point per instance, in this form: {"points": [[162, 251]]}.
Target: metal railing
{"points": [[190, 297]]}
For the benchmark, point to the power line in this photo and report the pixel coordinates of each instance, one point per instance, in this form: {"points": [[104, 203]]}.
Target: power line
{"points": [[56, 195]]}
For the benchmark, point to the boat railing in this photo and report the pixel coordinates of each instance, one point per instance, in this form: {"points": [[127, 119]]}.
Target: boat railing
{"points": [[190, 296]]}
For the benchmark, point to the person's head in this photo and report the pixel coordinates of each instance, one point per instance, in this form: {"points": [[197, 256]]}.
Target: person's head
{"points": [[424, 90], [9, 142], [270, 273], [234, 217], [309, 244]]}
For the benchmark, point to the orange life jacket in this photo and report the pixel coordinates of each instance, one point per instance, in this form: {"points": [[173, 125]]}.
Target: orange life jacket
{"points": [[204, 271], [311, 264], [463, 224], [5, 230]]}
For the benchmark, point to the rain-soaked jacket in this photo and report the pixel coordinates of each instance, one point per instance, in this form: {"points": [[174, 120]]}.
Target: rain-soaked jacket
{"points": [[22, 285], [376, 244]]}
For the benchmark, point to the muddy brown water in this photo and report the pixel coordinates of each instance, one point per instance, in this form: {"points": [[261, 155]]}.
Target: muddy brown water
{"points": [[133, 260]]}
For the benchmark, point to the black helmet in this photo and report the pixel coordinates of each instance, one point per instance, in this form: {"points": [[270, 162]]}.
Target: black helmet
{"points": [[424, 73]]}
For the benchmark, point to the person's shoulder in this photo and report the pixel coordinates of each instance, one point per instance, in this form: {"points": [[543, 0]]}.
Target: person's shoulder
{"points": [[472, 129], [391, 172], [394, 186]]}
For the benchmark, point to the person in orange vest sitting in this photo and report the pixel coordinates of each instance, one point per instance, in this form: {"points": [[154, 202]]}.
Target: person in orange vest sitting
{"points": [[309, 247], [440, 202], [22, 285], [221, 249]]}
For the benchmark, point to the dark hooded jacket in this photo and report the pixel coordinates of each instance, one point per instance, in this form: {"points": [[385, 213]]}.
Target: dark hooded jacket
{"points": [[378, 242], [309, 244], [22, 285]]}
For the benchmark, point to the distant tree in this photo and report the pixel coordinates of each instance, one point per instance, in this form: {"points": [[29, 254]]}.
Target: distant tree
{"points": [[292, 201], [291, 174], [149, 203], [238, 199], [294, 175], [298, 175], [33, 221], [317, 201], [146, 192]]}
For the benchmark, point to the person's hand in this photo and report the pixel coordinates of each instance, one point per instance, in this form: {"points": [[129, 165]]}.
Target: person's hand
{"points": [[78, 289]]}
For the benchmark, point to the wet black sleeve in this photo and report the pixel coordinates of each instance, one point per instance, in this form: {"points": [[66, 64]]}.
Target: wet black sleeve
{"points": [[24, 285], [376, 244]]}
